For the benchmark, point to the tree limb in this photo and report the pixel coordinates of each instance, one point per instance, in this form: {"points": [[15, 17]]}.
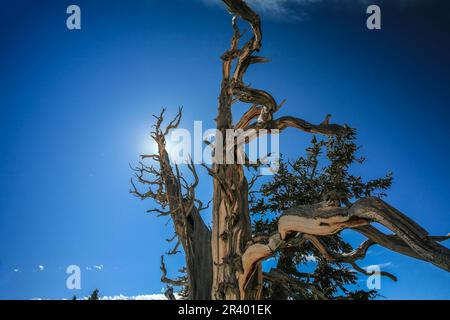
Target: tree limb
{"points": [[325, 220]]}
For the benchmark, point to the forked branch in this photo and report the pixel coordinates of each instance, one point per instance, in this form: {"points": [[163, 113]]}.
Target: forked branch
{"points": [[323, 219]]}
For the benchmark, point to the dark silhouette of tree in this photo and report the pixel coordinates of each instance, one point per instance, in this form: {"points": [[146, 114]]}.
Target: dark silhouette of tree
{"points": [[94, 295]]}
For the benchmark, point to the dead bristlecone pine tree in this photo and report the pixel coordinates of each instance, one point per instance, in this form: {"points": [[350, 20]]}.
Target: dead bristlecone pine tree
{"points": [[225, 261]]}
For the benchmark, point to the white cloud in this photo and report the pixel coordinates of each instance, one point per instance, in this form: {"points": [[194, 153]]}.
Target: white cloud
{"points": [[384, 265], [40, 268], [16, 270], [99, 267]]}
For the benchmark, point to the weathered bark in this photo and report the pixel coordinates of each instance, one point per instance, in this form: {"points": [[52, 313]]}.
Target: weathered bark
{"points": [[310, 222], [199, 259], [326, 220], [231, 222], [231, 232]]}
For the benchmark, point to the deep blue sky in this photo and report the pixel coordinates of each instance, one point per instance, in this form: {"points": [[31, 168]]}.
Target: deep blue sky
{"points": [[76, 106]]}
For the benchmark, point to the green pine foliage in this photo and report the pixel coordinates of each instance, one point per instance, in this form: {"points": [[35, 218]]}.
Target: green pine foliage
{"points": [[322, 175]]}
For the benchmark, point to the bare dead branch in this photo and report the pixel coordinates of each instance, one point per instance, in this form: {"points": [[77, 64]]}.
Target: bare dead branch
{"points": [[164, 279], [175, 249], [363, 271], [200, 205], [253, 180], [357, 254], [175, 122], [173, 238], [292, 122]]}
